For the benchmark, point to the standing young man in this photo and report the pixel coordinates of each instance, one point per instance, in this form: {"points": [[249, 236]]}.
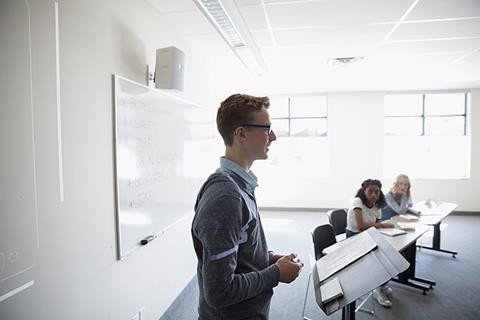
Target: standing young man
{"points": [[236, 272]]}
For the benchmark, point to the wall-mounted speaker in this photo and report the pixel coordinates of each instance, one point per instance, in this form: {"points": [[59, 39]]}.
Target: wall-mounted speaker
{"points": [[169, 68]]}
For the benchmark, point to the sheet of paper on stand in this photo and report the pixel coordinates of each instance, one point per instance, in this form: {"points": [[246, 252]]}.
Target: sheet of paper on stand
{"points": [[358, 246]]}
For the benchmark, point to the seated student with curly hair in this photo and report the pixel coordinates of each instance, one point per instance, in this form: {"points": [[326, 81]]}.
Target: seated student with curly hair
{"points": [[364, 213]]}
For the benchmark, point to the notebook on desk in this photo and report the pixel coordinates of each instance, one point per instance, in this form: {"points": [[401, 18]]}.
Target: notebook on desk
{"points": [[392, 232]]}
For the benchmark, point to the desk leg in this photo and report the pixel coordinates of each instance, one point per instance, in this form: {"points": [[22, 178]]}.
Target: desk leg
{"points": [[405, 277], [348, 312], [436, 241]]}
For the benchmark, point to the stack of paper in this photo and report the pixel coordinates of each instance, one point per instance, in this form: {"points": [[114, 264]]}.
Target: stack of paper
{"points": [[406, 225], [331, 290], [408, 217], [392, 232]]}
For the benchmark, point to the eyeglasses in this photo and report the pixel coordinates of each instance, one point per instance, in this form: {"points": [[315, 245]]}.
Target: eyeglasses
{"points": [[268, 128]]}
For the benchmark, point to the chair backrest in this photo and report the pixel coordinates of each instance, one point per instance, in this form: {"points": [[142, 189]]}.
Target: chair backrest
{"points": [[338, 220], [322, 236]]}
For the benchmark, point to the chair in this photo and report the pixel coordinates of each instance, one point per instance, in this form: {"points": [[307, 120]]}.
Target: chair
{"points": [[338, 220], [323, 236]]}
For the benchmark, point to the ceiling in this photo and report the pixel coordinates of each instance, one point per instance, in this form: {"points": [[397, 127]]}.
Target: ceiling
{"points": [[405, 44]]}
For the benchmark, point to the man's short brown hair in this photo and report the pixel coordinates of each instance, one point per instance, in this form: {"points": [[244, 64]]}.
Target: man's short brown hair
{"points": [[237, 110]]}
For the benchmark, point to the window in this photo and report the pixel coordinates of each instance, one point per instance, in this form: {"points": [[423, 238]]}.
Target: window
{"points": [[427, 135], [302, 116], [302, 147], [426, 114]]}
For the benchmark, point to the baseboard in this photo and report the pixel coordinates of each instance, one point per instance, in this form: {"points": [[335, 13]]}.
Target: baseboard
{"points": [[303, 209], [294, 209], [466, 213]]}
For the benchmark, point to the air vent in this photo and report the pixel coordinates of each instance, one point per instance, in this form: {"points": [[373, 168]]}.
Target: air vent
{"points": [[344, 61]]}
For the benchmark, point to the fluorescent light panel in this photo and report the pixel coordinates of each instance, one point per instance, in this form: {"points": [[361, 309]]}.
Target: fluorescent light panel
{"points": [[222, 20], [227, 19]]}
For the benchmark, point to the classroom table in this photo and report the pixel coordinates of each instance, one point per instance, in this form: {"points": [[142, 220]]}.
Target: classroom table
{"points": [[406, 245], [432, 214]]}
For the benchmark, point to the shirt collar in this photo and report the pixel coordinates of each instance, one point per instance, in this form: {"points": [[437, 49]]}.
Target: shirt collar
{"points": [[249, 178]]}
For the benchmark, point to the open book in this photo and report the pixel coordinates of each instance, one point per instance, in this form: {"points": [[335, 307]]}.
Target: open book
{"points": [[350, 251], [392, 232]]}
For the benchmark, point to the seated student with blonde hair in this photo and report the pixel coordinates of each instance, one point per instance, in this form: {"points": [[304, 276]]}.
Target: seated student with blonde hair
{"points": [[398, 199], [365, 213]]}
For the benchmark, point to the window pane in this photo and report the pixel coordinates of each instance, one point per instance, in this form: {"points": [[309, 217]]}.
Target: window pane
{"points": [[280, 127], [290, 159], [436, 157], [278, 107], [308, 106], [308, 127], [403, 104], [453, 126], [403, 126], [445, 104]]}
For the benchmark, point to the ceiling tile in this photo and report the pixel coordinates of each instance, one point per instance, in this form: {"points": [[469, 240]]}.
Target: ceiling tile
{"points": [[438, 29], [247, 2], [338, 12], [332, 34], [262, 38], [253, 16], [461, 45], [444, 9]]}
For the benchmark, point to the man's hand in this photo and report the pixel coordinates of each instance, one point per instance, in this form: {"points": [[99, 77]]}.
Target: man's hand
{"points": [[289, 267], [273, 257]]}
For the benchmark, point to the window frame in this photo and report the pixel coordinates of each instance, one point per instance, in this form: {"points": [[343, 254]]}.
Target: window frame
{"points": [[289, 117], [423, 116]]}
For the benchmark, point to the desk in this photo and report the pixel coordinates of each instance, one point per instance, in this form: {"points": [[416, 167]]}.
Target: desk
{"points": [[432, 214], [406, 245]]}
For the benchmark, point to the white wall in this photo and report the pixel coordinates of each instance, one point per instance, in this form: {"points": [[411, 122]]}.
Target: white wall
{"points": [[356, 153], [77, 275]]}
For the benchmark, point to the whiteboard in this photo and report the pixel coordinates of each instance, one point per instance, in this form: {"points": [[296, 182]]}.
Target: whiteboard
{"points": [[164, 150]]}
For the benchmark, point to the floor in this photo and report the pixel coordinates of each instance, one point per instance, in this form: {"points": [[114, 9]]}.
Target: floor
{"points": [[456, 296]]}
